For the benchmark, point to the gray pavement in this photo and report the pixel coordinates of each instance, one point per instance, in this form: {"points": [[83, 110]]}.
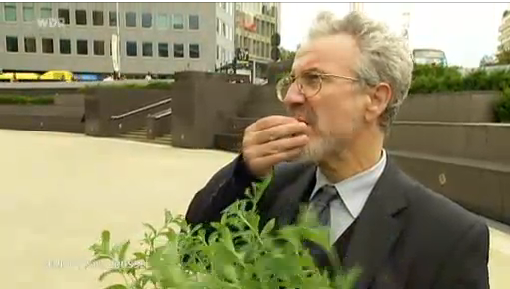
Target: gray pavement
{"points": [[59, 191]]}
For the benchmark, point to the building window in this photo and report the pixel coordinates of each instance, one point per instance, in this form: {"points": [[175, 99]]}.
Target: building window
{"points": [[63, 15], [217, 52], [178, 50], [147, 49], [193, 22], [162, 21], [98, 47], [12, 43], [178, 21], [194, 51], [10, 12], [81, 17], [163, 49], [46, 11], [223, 29], [146, 20], [65, 46], [82, 47], [131, 48], [47, 45], [130, 19], [30, 45], [112, 18], [28, 12], [97, 18]]}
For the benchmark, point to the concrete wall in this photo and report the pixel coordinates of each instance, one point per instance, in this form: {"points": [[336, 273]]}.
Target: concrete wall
{"points": [[64, 116], [466, 106], [480, 187], [202, 104], [484, 142]]}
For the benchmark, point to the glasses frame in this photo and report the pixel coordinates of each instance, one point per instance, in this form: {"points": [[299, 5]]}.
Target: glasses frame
{"points": [[292, 79]]}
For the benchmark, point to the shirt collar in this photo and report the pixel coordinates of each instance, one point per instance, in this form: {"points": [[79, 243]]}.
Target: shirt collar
{"points": [[355, 190]]}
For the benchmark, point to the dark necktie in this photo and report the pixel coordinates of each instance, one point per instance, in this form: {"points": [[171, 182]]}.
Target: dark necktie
{"points": [[320, 203]]}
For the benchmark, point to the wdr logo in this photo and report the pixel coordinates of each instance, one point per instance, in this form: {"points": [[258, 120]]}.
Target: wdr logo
{"points": [[51, 22]]}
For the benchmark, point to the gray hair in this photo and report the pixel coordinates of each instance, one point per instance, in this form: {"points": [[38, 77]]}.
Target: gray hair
{"points": [[385, 56]]}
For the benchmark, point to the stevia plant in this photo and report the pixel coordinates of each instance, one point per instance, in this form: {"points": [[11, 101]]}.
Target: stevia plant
{"points": [[232, 253]]}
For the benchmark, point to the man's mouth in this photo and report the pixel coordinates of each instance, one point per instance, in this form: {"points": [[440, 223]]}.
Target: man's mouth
{"points": [[301, 119]]}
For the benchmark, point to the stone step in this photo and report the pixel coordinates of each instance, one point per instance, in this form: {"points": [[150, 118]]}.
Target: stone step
{"points": [[228, 141], [140, 135], [137, 132], [161, 141]]}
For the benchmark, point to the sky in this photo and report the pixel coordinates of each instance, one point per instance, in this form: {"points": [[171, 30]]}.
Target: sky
{"points": [[464, 31]]}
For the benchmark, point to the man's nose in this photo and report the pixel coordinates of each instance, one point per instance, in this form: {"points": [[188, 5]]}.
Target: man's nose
{"points": [[294, 96]]}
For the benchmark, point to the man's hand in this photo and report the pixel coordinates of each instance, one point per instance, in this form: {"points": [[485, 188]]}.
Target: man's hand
{"points": [[271, 140]]}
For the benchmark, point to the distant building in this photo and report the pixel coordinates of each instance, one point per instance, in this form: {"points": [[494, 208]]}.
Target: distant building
{"points": [[255, 23], [160, 38], [356, 7], [504, 31]]}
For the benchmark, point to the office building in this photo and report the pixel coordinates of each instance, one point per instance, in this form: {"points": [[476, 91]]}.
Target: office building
{"points": [[504, 31], [161, 38], [255, 23]]}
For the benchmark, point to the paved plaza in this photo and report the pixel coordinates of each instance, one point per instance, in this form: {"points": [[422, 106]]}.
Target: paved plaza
{"points": [[59, 191]]}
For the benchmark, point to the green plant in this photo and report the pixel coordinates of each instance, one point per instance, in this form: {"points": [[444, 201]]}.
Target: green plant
{"points": [[235, 254], [26, 100], [502, 107]]}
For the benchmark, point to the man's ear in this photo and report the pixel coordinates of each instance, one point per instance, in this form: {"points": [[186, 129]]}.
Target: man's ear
{"points": [[380, 97]]}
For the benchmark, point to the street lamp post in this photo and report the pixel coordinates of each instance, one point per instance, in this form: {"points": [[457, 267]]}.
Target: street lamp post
{"points": [[115, 45], [118, 36]]}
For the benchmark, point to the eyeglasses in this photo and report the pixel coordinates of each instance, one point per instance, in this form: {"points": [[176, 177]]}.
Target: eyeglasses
{"points": [[309, 84]]}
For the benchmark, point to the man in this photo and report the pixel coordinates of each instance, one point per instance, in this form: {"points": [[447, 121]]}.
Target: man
{"points": [[346, 85]]}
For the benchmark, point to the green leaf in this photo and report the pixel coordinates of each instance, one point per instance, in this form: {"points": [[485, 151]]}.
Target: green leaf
{"points": [[105, 242], [153, 230], [139, 256], [268, 227], [123, 249], [116, 286], [168, 217], [111, 271]]}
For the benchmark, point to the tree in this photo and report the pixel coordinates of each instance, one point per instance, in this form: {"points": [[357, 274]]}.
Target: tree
{"points": [[286, 54], [503, 56], [488, 60]]}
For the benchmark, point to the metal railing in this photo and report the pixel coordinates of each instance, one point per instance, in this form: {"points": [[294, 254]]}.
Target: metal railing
{"points": [[141, 109], [161, 114]]}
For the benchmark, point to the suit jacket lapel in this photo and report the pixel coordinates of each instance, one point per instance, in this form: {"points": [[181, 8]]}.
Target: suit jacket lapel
{"points": [[378, 226], [288, 200]]}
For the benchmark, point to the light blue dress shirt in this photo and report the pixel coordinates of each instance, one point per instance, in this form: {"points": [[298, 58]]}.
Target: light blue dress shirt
{"points": [[353, 192]]}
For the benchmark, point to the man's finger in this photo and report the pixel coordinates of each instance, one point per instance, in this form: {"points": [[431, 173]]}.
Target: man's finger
{"points": [[277, 132], [271, 160], [282, 145], [271, 121]]}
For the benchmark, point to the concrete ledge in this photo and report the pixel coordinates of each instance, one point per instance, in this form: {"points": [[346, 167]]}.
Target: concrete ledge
{"points": [[488, 142], [465, 106], [481, 187], [42, 123]]}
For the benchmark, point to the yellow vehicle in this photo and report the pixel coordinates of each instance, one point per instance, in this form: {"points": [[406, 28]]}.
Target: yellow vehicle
{"points": [[57, 75], [19, 76]]}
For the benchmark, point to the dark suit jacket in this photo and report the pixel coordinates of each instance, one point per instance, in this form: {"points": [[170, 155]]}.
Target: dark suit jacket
{"points": [[406, 235]]}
